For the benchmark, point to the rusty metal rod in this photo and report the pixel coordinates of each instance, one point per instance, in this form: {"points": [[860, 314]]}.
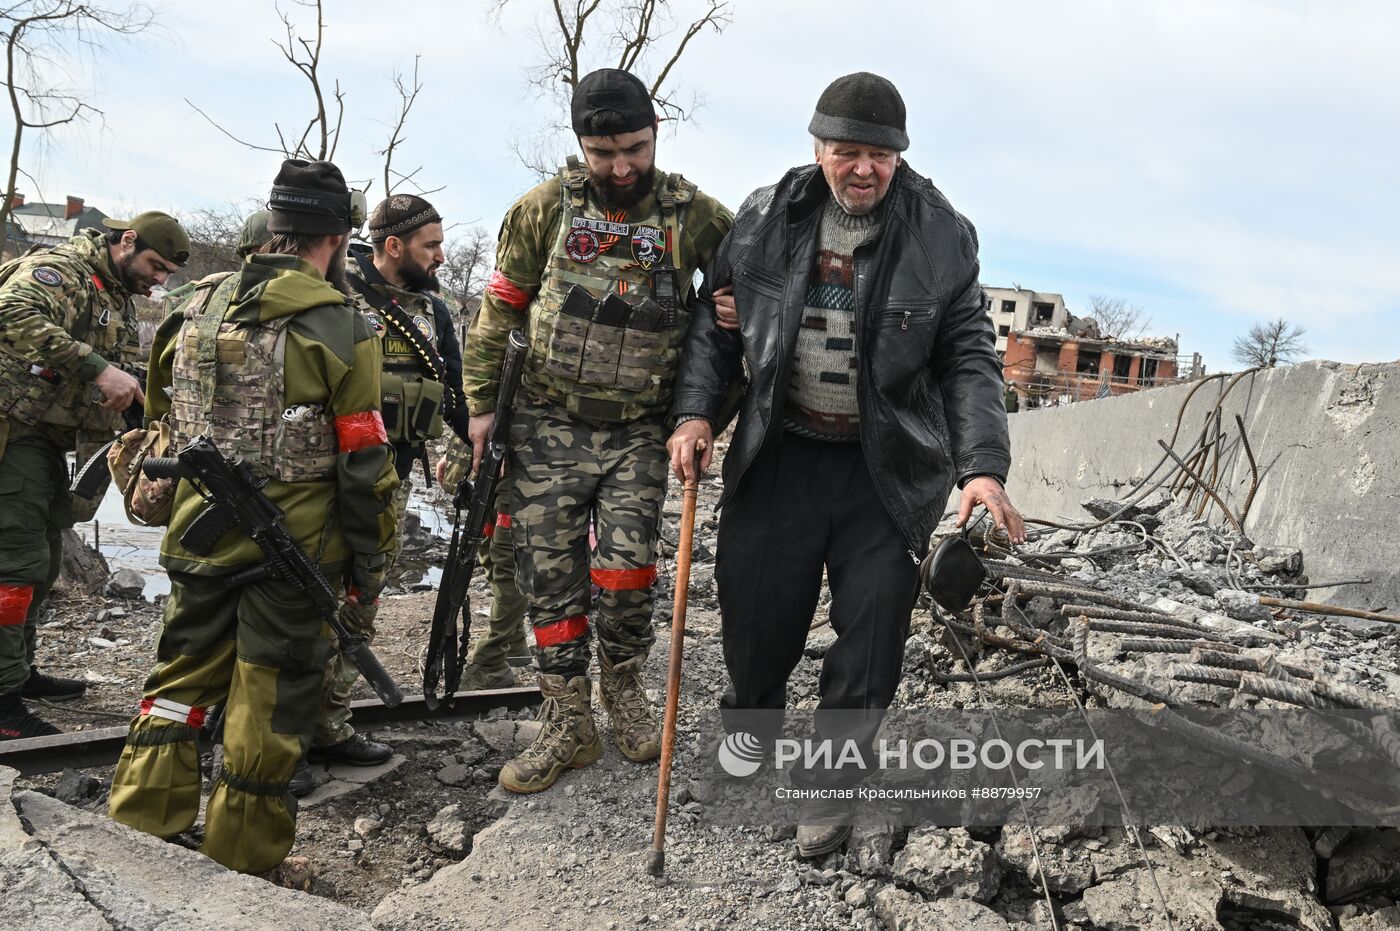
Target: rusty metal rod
{"points": [[1165, 631], [1234, 521], [1066, 592], [1118, 614], [1253, 470], [1174, 646], [1312, 607]]}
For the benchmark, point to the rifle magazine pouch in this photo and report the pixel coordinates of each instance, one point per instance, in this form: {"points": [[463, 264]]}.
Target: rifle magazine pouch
{"points": [[602, 350], [569, 334], [423, 409], [643, 346], [952, 574], [391, 405]]}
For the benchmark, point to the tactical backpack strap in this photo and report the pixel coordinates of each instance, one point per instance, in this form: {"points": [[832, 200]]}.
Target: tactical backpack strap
{"points": [[573, 179]]}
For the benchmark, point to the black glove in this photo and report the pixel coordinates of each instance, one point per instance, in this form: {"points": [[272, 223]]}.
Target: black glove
{"points": [[367, 573]]}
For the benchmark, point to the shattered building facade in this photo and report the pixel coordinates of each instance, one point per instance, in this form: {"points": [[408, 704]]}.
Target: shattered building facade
{"points": [[1051, 357]]}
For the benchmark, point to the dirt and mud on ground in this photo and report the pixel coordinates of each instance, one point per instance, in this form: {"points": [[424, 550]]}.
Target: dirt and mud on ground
{"points": [[430, 842]]}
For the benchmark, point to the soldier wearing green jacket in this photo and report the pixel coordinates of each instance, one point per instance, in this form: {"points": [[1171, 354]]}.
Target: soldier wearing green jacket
{"points": [[285, 374], [67, 326], [588, 438]]}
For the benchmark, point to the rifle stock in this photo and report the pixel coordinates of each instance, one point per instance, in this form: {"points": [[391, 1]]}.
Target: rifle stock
{"points": [[231, 488], [446, 651]]}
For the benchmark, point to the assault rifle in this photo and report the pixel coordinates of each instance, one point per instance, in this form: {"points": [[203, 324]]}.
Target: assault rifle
{"points": [[446, 651], [236, 499]]}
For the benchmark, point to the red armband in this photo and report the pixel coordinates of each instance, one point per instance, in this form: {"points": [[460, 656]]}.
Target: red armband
{"points": [[14, 603], [623, 580], [360, 431], [507, 292]]}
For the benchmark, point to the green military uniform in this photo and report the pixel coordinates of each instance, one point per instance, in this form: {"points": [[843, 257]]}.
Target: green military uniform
{"points": [[588, 438], [64, 316], [285, 374]]}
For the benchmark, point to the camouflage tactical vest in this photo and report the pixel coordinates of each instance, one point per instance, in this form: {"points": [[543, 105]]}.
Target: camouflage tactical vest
{"points": [[598, 370], [31, 393], [228, 384], [411, 404]]}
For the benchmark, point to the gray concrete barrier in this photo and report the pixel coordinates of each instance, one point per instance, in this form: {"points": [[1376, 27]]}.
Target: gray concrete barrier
{"points": [[1326, 438]]}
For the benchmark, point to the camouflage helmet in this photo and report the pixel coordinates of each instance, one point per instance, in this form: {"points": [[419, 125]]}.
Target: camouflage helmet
{"points": [[255, 233]]}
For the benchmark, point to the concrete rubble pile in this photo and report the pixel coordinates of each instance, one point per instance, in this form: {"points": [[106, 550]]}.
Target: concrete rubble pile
{"points": [[1148, 606]]}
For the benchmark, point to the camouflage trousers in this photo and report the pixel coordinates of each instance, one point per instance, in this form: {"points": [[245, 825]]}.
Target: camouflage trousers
{"points": [[35, 508], [259, 649], [566, 472], [333, 718]]}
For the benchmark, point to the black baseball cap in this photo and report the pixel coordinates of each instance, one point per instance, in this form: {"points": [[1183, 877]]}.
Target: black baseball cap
{"points": [[609, 102]]}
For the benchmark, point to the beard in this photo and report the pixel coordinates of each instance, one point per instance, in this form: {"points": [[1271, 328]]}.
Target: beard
{"points": [[418, 277], [335, 272], [621, 198], [134, 283]]}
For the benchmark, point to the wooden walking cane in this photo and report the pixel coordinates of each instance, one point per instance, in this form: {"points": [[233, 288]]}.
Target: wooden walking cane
{"points": [[656, 857]]}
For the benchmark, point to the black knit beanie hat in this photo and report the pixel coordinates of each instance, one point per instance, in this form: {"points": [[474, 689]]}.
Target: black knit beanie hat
{"points": [[863, 108], [309, 198]]}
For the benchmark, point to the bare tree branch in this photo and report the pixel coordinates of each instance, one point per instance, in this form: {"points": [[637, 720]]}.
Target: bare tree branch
{"points": [[408, 94], [575, 36], [1270, 343], [36, 34], [321, 135], [1117, 318]]}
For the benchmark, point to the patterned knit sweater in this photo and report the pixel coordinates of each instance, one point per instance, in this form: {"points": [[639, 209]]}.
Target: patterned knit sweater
{"points": [[821, 400]]}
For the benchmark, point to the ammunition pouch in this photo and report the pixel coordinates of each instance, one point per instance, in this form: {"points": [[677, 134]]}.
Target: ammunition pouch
{"points": [[411, 408], [608, 343], [147, 501]]}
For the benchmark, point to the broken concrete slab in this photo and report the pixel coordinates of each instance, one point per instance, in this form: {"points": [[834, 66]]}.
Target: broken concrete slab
{"points": [[904, 911], [37, 892], [1386, 919], [948, 862], [123, 878], [1366, 864], [342, 779]]}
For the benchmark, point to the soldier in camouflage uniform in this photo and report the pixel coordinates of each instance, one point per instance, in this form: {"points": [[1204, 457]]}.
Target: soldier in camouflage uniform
{"points": [[588, 439], [392, 285], [67, 325], [285, 375]]}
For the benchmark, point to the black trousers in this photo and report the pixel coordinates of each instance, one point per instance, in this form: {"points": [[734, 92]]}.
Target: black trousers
{"points": [[804, 506]]}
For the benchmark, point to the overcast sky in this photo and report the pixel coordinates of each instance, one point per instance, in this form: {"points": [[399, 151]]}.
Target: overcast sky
{"points": [[1217, 162]]}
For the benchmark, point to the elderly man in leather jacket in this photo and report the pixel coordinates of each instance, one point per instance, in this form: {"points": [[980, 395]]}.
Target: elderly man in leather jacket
{"points": [[873, 387]]}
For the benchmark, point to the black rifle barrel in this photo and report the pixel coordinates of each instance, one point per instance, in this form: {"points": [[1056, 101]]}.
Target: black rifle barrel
{"points": [[446, 653]]}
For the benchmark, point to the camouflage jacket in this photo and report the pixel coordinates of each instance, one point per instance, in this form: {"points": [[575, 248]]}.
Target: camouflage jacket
{"points": [[65, 315], [537, 258], [413, 413], [330, 372]]}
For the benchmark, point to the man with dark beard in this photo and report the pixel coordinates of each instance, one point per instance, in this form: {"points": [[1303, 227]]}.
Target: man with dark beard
{"points": [[67, 325], [597, 265], [393, 284]]}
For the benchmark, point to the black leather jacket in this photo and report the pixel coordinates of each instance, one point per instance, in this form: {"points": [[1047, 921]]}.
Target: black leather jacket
{"points": [[929, 381]]}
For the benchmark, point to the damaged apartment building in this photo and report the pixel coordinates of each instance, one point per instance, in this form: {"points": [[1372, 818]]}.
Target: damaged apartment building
{"points": [[1050, 357]]}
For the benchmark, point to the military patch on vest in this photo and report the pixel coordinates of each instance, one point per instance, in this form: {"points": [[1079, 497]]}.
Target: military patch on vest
{"points": [[648, 245], [582, 245], [375, 321], [45, 275], [423, 326]]}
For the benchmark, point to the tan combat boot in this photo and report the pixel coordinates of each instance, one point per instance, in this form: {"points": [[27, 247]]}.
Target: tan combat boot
{"points": [[633, 721], [567, 738]]}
